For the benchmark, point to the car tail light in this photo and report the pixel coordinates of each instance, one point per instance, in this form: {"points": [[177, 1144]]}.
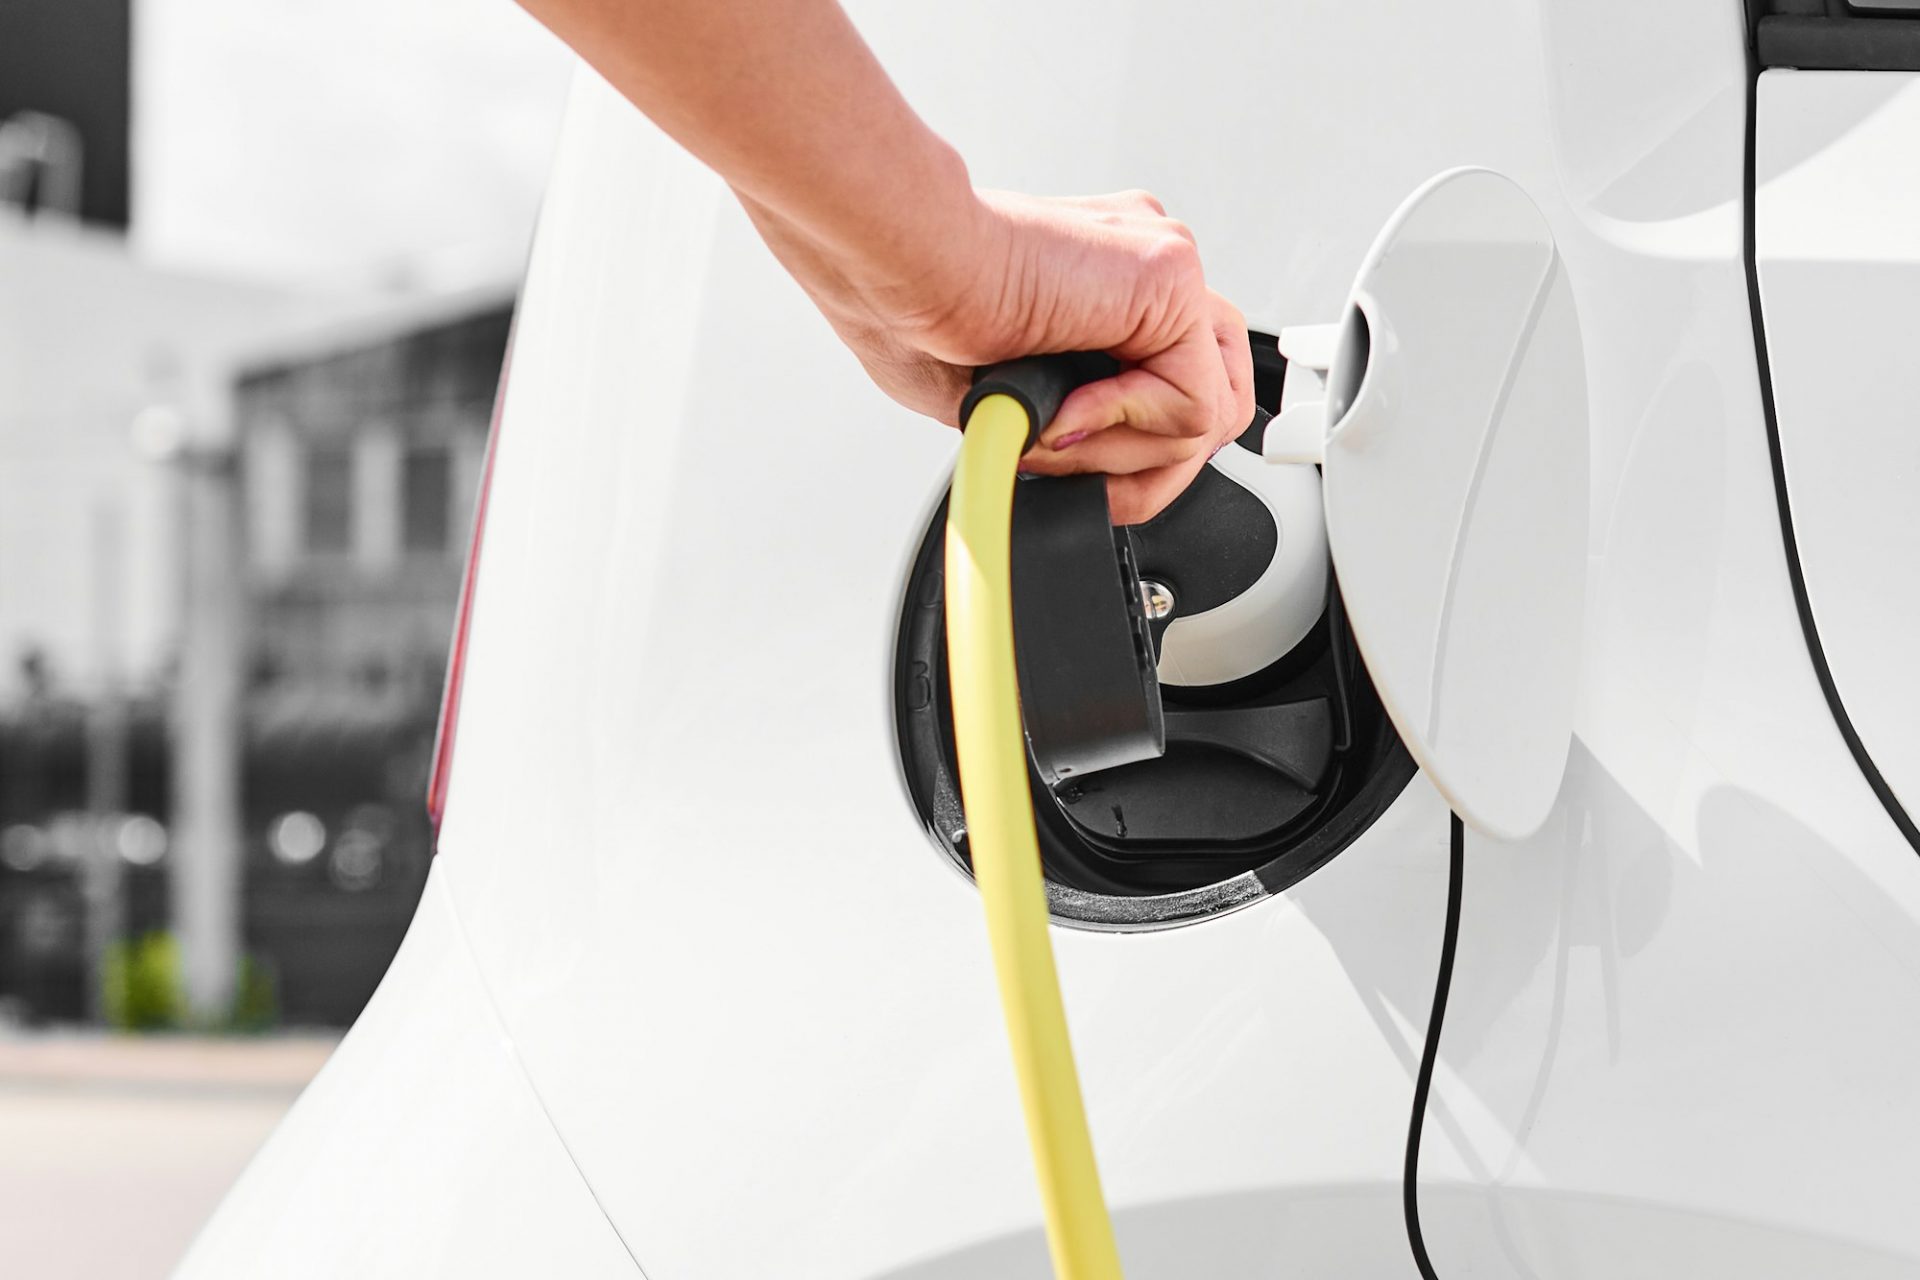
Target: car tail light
{"points": [[457, 655]]}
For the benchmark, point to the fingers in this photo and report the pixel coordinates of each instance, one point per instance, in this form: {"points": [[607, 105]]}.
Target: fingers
{"points": [[1144, 472], [1135, 201], [1198, 388], [1117, 451], [1165, 418], [1137, 498], [1167, 396], [1236, 356]]}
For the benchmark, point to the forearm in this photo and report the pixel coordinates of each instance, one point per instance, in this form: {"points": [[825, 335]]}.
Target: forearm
{"points": [[923, 278], [785, 101]]}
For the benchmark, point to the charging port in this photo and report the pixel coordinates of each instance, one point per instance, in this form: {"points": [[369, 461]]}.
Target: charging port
{"points": [[1263, 778]]}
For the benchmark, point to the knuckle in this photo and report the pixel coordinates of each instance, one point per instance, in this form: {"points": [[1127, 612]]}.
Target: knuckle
{"points": [[1175, 257], [1147, 200], [1194, 429], [1236, 406], [1236, 393]]}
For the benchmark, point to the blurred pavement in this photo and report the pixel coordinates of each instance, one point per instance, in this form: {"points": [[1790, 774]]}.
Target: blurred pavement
{"points": [[113, 1150]]}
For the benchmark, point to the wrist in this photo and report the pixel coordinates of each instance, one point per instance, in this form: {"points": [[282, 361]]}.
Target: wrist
{"points": [[912, 263], [929, 249]]}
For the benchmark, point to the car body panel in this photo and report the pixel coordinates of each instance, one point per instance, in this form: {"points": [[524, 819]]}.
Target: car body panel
{"points": [[419, 1149], [1838, 242], [756, 1002]]}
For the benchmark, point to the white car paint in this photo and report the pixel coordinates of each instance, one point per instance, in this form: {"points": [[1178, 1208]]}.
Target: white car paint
{"points": [[419, 1150], [1839, 250], [754, 1003]]}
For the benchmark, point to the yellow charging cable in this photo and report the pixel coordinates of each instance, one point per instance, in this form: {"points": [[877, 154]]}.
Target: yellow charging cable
{"points": [[992, 749]]}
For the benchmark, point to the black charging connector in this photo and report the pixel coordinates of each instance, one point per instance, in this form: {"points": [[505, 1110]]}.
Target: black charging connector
{"points": [[1262, 780], [1039, 383], [1089, 691]]}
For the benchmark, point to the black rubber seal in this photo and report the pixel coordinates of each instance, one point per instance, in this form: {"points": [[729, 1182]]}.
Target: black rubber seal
{"points": [[1816, 651]]}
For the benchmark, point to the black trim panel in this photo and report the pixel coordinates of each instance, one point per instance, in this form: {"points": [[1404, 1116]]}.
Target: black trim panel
{"points": [[1839, 44]]}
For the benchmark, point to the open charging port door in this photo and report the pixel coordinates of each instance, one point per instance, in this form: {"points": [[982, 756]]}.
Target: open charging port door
{"points": [[1220, 700], [1453, 444]]}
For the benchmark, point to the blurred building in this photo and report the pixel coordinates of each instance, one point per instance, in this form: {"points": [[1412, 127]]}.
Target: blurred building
{"points": [[64, 500], [109, 368], [361, 453], [226, 583], [66, 97], [111, 373]]}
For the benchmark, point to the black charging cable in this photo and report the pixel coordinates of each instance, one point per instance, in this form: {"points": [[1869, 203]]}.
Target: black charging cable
{"points": [[1423, 1085]]}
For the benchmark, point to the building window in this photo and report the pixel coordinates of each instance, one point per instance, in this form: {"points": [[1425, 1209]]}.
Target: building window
{"points": [[426, 497], [329, 499]]}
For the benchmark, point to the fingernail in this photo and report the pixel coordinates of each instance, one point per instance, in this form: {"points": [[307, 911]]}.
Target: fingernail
{"points": [[1069, 440]]}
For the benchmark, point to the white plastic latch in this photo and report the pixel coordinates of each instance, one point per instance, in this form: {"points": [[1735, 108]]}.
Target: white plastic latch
{"points": [[1311, 346], [1298, 433]]}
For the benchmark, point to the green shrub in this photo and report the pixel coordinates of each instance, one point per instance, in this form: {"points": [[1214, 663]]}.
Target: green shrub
{"points": [[142, 984], [256, 998], [142, 989]]}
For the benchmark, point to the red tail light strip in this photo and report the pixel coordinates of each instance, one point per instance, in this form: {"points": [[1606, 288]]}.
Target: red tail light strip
{"points": [[457, 655]]}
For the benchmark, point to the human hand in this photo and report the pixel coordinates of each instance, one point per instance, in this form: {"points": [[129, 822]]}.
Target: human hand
{"points": [[1016, 275]]}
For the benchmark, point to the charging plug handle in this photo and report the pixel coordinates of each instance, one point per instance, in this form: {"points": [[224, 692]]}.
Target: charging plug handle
{"points": [[1039, 383], [1089, 692]]}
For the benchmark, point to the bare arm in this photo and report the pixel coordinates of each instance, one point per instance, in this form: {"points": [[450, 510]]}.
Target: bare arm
{"points": [[785, 101], [921, 275]]}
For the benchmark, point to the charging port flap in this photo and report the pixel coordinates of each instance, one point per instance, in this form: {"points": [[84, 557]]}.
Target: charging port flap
{"points": [[1454, 447]]}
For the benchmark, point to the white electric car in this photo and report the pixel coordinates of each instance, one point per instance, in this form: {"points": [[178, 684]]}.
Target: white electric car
{"points": [[699, 989]]}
